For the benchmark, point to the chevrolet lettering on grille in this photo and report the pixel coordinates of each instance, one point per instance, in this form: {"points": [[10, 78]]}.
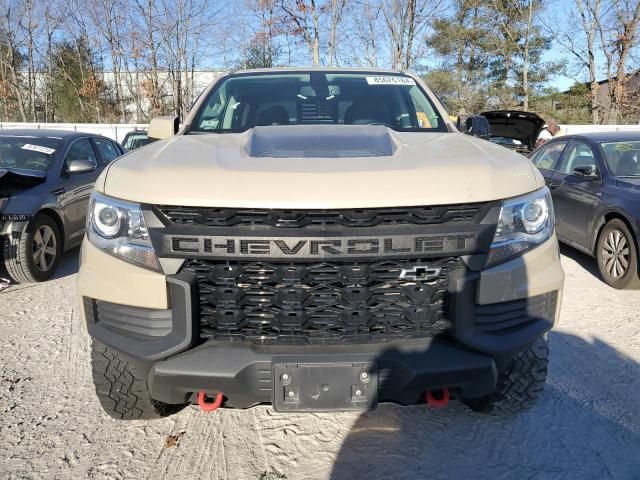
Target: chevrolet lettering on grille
{"points": [[321, 247]]}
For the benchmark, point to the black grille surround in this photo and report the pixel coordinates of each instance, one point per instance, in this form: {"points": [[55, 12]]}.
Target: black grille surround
{"points": [[325, 302], [287, 276], [309, 219]]}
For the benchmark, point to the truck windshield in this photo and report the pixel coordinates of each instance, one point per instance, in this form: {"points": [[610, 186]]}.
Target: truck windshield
{"points": [[243, 101], [27, 153]]}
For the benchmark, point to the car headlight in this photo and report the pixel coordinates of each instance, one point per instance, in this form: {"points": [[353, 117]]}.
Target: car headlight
{"points": [[118, 228], [525, 222]]}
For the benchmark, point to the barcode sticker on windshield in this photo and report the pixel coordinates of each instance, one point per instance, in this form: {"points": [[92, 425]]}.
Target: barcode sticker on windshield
{"points": [[38, 148], [390, 80]]}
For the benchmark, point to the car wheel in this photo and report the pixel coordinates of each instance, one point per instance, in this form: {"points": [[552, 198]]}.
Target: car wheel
{"points": [[33, 256], [617, 256]]}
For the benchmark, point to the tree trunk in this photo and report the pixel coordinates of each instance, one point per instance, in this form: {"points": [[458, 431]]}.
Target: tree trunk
{"points": [[525, 61], [411, 28], [31, 67], [316, 35]]}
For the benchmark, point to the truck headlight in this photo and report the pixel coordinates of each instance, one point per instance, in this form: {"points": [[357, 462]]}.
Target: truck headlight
{"points": [[525, 222], [118, 228]]}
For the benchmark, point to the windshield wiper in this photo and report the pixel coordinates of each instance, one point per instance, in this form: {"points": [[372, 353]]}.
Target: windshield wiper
{"points": [[628, 176]]}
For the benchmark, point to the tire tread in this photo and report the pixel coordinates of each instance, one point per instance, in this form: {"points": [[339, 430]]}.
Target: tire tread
{"points": [[122, 393], [15, 251], [520, 386]]}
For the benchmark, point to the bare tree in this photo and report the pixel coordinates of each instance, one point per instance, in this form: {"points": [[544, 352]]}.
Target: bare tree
{"points": [[581, 41], [149, 24], [337, 9], [590, 11], [10, 59], [406, 22], [366, 31], [51, 25], [626, 36], [305, 16], [108, 19], [185, 21]]}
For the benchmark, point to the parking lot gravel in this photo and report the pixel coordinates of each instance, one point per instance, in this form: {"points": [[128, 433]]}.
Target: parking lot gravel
{"points": [[586, 426]]}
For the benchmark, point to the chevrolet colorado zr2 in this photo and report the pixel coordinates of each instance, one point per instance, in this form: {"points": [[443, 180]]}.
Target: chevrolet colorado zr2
{"points": [[318, 240]]}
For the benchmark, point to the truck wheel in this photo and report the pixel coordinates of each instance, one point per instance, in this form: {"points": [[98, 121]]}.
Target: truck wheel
{"points": [[617, 256], [33, 256], [520, 385], [122, 393]]}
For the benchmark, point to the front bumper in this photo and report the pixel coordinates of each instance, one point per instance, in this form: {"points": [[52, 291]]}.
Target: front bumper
{"points": [[245, 373], [160, 333]]}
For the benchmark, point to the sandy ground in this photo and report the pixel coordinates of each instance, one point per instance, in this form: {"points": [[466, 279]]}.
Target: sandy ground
{"points": [[587, 425]]}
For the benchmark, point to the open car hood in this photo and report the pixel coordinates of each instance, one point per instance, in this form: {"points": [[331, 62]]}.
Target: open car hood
{"points": [[13, 181], [522, 126]]}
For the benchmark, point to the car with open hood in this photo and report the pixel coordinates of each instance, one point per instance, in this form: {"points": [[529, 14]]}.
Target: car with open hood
{"points": [[514, 129], [318, 240], [46, 177]]}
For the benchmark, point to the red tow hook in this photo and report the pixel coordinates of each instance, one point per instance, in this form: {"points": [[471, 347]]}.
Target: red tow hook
{"points": [[208, 406], [442, 399]]}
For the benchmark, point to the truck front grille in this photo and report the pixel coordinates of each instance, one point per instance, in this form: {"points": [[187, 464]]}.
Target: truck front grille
{"points": [[337, 302], [366, 217]]}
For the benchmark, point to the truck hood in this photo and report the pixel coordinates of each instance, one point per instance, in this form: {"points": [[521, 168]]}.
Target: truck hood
{"points": [[252, 170]]}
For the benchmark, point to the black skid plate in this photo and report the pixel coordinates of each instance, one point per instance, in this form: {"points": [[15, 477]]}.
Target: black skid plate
{"points": [[321, 387]]}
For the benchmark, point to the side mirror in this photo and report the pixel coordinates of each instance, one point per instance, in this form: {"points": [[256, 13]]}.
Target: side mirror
{"points": [[476, 126], [80, 166], [588, 172], [163, 127]]}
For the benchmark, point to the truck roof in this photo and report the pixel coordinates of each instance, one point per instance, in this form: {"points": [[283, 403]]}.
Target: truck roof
{"points": [[320, 69]]}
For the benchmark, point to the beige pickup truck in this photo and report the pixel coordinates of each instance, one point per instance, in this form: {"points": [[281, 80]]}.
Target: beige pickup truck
{"points": [[318, 240]]}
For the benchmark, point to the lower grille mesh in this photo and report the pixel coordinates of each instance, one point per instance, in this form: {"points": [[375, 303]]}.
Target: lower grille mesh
{"points": [[319, 302]]}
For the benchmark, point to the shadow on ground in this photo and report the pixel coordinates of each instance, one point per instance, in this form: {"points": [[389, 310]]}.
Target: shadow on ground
{"points": [[588, 263], [586, 425], [69, 265]]}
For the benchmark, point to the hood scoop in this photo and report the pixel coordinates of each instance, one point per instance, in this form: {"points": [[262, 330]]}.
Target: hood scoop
{"points": [[320, 141]]}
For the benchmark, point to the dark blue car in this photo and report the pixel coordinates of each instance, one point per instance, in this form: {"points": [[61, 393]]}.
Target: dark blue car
{"points": [[46, 177], [595, 183]]}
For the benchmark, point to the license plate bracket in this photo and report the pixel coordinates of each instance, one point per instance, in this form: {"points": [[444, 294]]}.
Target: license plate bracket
{"points": [[323, 387]]}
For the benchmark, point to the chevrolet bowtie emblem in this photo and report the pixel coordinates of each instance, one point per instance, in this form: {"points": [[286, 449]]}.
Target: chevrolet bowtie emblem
{"points": [[420, 273]]}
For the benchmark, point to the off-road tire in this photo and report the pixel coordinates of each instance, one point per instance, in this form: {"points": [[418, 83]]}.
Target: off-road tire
{"points": [[124, 394], [630, 279], [520, 385], [18, 252]]}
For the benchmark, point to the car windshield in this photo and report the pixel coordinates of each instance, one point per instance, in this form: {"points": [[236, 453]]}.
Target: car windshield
{"points": [[27, 152], [243, 101], [623, 158]]}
